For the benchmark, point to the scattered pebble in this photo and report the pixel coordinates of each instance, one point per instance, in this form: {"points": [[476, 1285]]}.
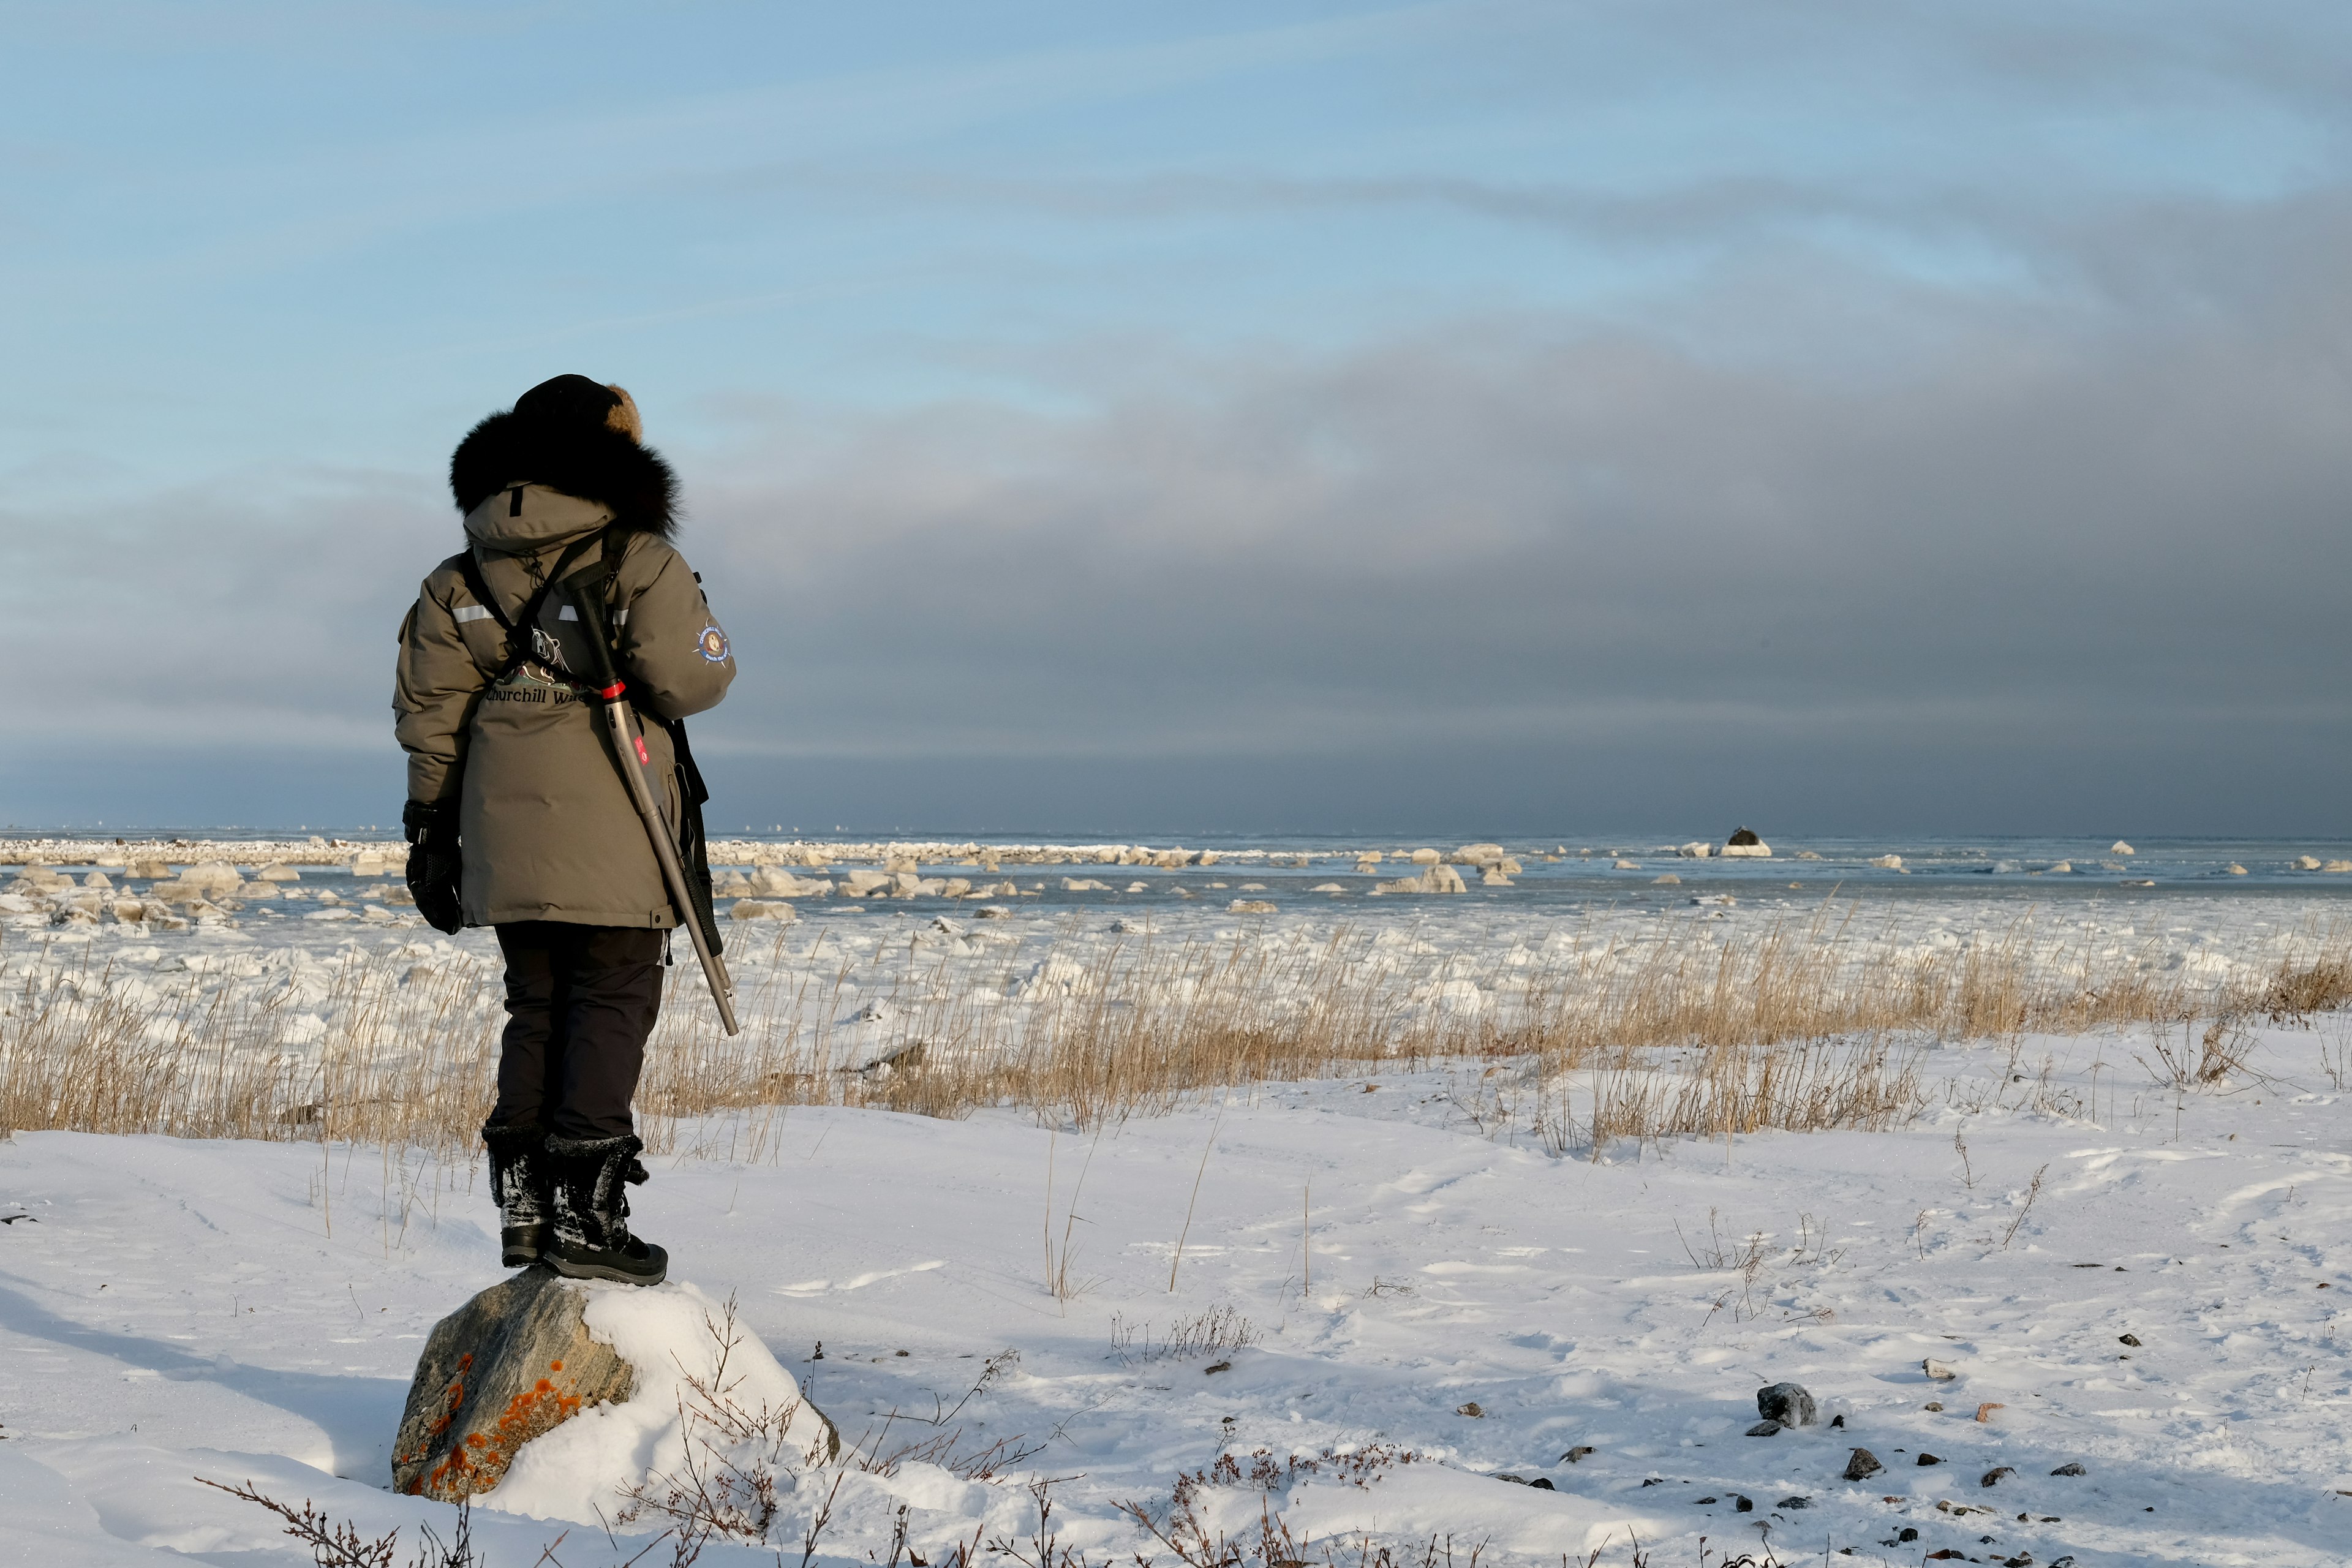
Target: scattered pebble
{"points": [[1785, 1404], [1862, 1463]]}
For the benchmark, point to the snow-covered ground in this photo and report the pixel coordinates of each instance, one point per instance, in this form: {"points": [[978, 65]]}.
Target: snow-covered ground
{"points": [[171, 1311]]}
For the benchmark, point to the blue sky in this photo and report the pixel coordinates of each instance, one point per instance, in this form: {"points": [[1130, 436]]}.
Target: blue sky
{"points": [[1875, 414]]}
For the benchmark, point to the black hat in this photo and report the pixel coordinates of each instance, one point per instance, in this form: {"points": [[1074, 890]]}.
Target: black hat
{"points": [[576, 400]]}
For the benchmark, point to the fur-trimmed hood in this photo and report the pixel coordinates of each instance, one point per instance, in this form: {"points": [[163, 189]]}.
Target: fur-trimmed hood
{"points": [[595, 463]]}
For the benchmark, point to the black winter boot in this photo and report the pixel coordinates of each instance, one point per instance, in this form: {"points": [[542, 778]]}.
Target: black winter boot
{"points": [[520, 1180], [592, 1239]]}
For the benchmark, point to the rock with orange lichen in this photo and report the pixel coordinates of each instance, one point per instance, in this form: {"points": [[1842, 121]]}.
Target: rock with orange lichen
{"points": [[514, 1363]]}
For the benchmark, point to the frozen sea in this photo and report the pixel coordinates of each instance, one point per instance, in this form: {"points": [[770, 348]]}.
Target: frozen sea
{"points": [[2210, 910]]}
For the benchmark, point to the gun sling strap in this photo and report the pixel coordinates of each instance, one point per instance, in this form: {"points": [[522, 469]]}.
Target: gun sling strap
{"points": [[693, 841]]}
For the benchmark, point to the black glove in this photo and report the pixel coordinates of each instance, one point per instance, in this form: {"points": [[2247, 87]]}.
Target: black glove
{"points": [[434, 863]]}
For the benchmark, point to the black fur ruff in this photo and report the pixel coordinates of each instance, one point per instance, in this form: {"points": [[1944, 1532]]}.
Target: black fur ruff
{"points": [[591, 461]]}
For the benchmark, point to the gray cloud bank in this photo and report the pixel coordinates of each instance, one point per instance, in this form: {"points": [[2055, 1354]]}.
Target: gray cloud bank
{"points": [[1813, 549]]}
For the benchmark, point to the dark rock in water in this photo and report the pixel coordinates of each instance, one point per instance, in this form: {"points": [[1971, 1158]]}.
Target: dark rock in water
{"points": [[1744, 1504], [2071, 1467], [1929, 1459], [1543, 1484], [1745, 836], [513, 1363], [1787, 1403], [1861, 1465], [1994, 1475], [1765, 1429]]}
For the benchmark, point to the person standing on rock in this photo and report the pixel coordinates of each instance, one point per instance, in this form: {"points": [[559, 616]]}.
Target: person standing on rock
{"points": [[517, 815]]}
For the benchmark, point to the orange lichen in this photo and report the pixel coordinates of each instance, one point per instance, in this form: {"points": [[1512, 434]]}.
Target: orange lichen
{"points": [[481, 1460]]}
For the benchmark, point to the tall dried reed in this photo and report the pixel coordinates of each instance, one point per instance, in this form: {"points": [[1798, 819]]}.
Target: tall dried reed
{"points": [[1804, 1024]]}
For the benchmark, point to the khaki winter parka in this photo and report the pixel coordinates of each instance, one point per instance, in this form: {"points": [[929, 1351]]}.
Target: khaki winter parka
{"points": [[549, 830]]}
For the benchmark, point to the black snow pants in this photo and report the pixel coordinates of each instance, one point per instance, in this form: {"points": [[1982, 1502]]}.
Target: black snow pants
{"points": [[580, 1001]]}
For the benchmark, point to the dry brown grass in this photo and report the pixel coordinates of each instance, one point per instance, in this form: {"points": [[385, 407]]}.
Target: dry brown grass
{"points": [[1802, 1026]]}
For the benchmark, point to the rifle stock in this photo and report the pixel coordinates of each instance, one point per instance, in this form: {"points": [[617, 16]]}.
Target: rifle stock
{"points": [[630, 755]]}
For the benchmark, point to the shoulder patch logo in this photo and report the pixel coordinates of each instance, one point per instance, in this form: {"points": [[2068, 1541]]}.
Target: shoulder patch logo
{"points": [[714, 644]]}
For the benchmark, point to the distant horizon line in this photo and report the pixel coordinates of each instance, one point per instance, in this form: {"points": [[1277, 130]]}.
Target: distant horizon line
{"points": [[1173, 838]]}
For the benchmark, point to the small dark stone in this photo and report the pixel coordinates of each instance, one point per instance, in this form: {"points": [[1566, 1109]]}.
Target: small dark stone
{"points": [[1787, 1403], [2131, 1340], [1543, 1484], [1929, 1459], [1794, 1503], [1744, 838], [1515, 1481], [1993, 1475], [1744, 1504], [2071, 1467], [1862, 1463], [1476, 1411], [1765, 1429], [1838, 1421], [1581, 1451], [1704, 1501], [1906, 1533], [1655, 1481]]}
